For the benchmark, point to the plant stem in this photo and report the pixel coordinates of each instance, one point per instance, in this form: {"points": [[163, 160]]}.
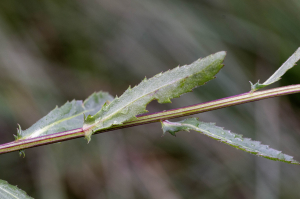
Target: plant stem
{"points": [[154, 117]]}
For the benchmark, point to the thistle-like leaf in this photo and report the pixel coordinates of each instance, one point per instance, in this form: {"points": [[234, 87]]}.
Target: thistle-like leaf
{"points": [[227, 137], [162, 87], [281, 71], [67, 117], [8, 191]]}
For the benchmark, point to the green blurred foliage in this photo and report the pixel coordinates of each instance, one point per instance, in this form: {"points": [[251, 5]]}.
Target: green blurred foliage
{"points": [[54, 51]]}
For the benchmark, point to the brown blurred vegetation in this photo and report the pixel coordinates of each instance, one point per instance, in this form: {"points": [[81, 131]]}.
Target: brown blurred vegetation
{"points": [[54, 51]]}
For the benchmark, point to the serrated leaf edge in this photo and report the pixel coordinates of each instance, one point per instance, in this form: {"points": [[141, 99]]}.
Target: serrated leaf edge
{"points": [[45, 128], [205, 132], [87, 128]]}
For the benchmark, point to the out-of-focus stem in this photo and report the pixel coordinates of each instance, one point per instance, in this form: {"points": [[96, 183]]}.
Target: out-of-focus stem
{"points": [[155, 117]]}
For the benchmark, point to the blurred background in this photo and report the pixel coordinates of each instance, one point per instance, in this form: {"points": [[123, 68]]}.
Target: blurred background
{"points": [[54, 51]]}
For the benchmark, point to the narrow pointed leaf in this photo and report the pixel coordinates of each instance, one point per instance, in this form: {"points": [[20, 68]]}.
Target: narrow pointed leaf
{"points": [[162, 87], [8, 191], [281, 71], [227, 137], [67, 117]]}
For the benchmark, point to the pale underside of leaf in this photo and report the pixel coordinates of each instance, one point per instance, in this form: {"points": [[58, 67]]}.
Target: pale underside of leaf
{"points": [[227, 137], [67, 117], [8, 191], [162, 87], [288, 64]]}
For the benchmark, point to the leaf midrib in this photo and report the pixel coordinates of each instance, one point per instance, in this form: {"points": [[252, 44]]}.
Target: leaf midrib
{"points": [[44, 129], [214, 135], [8, 192], [192, 127]]}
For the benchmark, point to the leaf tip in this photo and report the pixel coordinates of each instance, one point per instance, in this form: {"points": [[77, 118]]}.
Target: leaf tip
{"points": [[88, 137], [19, 133], [219, 55], [88, 134], [22, 153]]}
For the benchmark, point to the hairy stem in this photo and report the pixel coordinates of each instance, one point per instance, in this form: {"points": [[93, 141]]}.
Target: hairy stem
{"points": [[154, 117]]}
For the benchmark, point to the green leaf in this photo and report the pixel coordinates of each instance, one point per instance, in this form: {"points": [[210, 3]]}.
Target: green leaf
{"points": [[67, 117], [162, 87], [8, 191], [225, 136], [281, 71]]}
